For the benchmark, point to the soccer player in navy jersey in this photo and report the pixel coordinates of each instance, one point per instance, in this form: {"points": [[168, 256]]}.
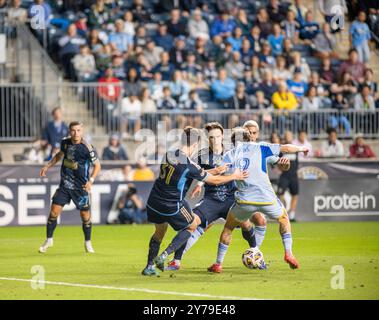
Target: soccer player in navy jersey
{"points": [[76, 182], [166, 204]]}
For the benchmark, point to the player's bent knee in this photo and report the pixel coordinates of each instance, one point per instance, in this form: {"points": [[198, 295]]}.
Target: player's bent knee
{"points": [[259, 220]]}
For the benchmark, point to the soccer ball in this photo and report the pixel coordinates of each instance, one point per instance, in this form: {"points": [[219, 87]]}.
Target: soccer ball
{"points": [[252, 258]]}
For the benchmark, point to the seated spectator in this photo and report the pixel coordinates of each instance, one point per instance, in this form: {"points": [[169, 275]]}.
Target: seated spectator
{"points": [[283, 99], [347, 86], [268, 86], [223, 88], [210, 72], [55, 130], [266, 59], [119, 39], [341, 104], [327, 74], [302, 141], [140, 37], [311, 101], [256, 71], [235, 39], [94, 41], [223, 26], [197, 26], [109, 88], [156, 86], [243, 22], [129, 27], [114, 150], [104, 58], [241, 100], [118, 66], [193, 102], [361, 150], [259, 101], [297, 86], [325, 43], [167, 102], [235, 67], [360, 36], [309, 28], [175, 25], [291, 27], [69, 45], [178, 53], [140, 12], [332, 148], [163, 39], [364, 101], [263, 22], [287, 51], [179, 87], [190, 68], [281, 71], [152, 52], [250, 82], [99, 15], [201, 51], [276, 40], [84, 65], [299, 63], [165, 67], [369, 81], [131, 207], [148, 105], [132, 84], [255, 39], [276, 11], [246, 51], [322, 89], [131, 113], [143, 172], [353, 66]]}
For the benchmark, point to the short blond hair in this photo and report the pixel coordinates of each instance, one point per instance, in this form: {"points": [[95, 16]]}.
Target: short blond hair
{"points": [[251, 123]]}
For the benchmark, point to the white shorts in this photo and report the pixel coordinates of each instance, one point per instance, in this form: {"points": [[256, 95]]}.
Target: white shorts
{"points": [[243, 212]]}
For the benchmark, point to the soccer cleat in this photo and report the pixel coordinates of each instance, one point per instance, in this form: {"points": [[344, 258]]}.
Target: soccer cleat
{"points": [[291, 260], [173, 266], [88, 247], [263, 266], [159, 262], [215, 268], [150, 271], [47, 244]]}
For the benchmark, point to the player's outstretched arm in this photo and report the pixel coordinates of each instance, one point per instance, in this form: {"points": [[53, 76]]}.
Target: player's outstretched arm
{"points": [[236, 175], [51, 163], [291, 148]]}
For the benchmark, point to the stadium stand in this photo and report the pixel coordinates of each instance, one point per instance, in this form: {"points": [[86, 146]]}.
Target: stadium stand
{"points": [[127, 64]]}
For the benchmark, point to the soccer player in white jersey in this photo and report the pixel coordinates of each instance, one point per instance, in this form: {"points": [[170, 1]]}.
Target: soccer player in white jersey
{"points": [[255, 193]]}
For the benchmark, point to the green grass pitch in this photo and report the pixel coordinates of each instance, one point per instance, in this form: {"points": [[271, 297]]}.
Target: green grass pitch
{"points": [[121, 255]]}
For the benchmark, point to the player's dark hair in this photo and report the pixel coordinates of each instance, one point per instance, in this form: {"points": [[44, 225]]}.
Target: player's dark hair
{"points": [[75, 123], [240, 134], [190, 136], [213, 125]]}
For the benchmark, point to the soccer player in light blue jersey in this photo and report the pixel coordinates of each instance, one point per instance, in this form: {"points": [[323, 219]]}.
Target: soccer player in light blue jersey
{"points": [[255, 193]]}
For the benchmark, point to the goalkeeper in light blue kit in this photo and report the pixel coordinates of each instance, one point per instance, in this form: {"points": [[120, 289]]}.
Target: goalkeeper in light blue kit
{"points": [[255, 193]]}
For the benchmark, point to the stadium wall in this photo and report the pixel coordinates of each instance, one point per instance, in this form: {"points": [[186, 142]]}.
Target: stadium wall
{"points": [[330, 191]]}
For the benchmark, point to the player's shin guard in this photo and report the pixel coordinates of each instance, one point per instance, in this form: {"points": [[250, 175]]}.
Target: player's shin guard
{"points": [[221, 252], [249, 236], [180, 239], [287, 242], [260, 232], [87, 229], [50, 226], [153, 251]]}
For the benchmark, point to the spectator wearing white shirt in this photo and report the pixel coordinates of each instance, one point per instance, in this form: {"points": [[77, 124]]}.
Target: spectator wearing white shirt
{"points": [[332, 148], [197, 26], [302, 141], [85, 65], [131, 113]]}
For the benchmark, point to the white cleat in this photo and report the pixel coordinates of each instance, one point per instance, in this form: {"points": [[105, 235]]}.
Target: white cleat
{"points": [[47, 244], [88, 247]]}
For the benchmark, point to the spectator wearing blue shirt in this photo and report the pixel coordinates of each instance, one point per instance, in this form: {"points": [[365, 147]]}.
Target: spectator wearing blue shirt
{"points": [[223, 89], [119, 39], [223, 26], [236, 39], [55, 130], [165, 67], [309, 28], [276, 40], [35, 9], [360, 36], [297, 86], [163, 39]]}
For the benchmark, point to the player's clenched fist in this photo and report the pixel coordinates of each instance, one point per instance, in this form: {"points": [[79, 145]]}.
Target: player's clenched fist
{"points": [[87, 186], [43, 171]]}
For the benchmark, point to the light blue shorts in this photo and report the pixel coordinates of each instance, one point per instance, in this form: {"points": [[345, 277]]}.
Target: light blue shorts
{"points": [[243, 212]]}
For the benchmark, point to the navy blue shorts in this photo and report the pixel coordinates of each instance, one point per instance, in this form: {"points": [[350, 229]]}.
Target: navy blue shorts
{"points": [[209, 210], [63, 196], [180, 220]]}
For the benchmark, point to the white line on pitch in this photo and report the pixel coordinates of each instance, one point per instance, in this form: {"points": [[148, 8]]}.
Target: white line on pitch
{"points": [[185, 294]]}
